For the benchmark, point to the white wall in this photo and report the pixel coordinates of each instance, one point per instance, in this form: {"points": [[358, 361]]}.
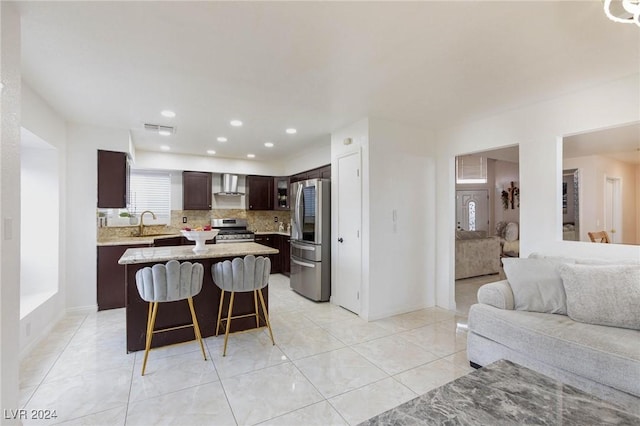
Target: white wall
{"points": [[39, 220], [505, 172], [401, 178], [170, 161], [397, 174], [538, 129], [9, 206], [317, 155], [83, 144]]}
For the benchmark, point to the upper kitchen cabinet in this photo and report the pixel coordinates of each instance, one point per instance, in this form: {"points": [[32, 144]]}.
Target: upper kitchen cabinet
{"points": [[113, 174], [298, 177], [281, 193], [260, 192], [196, 190], [325, 172]]}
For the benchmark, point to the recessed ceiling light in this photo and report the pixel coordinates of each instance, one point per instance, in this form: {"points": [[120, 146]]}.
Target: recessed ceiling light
{"points": [[291, 131], [236, 123], [165, 148], [210, 152], [164, 132], [1, 85], [251, 155], [268, 144], [222, 139], [168, 114]]}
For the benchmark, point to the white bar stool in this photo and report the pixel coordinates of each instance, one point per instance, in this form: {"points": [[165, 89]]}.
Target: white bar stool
{"points": [[242, 275], [169, 283]]}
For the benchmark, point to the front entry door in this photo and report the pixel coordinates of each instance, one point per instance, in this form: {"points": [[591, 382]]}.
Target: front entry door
{"points": [[472, 210]]}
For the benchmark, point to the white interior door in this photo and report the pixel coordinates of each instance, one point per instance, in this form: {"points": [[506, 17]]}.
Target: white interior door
{"points": [[346, 291], [613, 209], [472, 210]]}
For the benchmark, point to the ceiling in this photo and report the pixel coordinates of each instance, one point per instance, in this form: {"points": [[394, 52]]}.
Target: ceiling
{"points": [[621, 143], [314, 66]]}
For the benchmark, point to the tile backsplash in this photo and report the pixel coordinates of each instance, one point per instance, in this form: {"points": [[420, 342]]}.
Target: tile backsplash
{"points": [[261, 221]]}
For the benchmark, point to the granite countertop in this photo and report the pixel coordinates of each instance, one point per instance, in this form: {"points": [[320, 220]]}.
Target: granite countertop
{"points": [[125, 241], [163, 254], [149, 239], [286, 234]]}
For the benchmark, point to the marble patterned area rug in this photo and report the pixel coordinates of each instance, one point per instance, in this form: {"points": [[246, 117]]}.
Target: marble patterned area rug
{"points": [[505, 393]]}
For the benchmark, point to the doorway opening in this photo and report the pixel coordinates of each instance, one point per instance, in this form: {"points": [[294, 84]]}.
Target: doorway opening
{"points": [[487, 206]]}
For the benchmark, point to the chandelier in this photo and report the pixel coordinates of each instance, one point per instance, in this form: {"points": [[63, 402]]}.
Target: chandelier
{"points": [[624, 11]]}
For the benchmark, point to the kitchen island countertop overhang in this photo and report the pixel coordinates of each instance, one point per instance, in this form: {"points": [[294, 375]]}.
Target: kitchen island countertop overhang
{"points": [[177, 314]]}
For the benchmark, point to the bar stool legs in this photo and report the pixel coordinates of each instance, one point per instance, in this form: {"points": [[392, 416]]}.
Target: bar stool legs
{"points": [[151, 322], [226, 334], [256, 294], [196, 326]]}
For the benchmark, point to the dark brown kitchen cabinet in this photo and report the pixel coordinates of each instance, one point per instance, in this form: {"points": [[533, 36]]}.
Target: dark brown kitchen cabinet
{"points": [[269, 240], [259, 192], [111, 276], [325, 172], [196, 190], [281, 196], [284, 245], [113, 176], [298, 177]]}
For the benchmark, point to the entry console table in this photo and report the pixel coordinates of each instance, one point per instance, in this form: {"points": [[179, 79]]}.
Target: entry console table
{"points": [[176, 314]]}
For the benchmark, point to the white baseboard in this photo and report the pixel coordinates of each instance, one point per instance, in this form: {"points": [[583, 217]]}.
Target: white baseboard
{"points": [[45, 333], [398, 312], [83, 310]]}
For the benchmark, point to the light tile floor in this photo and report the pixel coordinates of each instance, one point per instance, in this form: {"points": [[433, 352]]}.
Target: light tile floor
{"points": [[328, 367]]}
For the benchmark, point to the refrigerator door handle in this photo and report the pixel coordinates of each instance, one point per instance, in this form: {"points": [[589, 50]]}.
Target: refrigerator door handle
{"points": [[298, 212], [308, 265], [303, 247]]}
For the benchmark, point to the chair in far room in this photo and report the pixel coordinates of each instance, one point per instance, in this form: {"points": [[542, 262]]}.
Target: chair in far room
{"points": [[599, 237], [169, 283], [242, 275]]}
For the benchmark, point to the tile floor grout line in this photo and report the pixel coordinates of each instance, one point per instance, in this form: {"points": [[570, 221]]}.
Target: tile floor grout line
{"points": [[133, 370], [58, 355]]}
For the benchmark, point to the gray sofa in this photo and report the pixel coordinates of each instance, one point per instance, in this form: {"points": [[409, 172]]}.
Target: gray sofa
{"points": [[601, 360], [476, 254]]}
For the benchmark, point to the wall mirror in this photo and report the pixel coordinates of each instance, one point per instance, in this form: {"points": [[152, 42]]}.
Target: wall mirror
{"points": [[601, 185]]}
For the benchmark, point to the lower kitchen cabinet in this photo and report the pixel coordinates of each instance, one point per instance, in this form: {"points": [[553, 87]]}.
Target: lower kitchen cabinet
{"points": [[285, 254], [270, 240], [281, 262], [111, 276]]}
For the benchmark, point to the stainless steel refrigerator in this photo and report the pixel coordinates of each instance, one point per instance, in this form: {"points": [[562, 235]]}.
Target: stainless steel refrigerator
{"points": [[311, 238]]}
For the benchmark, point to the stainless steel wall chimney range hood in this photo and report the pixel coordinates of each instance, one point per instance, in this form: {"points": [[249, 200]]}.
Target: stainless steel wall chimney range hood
{"points": [[229, 185]]}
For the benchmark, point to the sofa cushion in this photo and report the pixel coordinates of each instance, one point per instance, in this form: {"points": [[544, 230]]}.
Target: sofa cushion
{"points": [[536, 285], [498, 294], [603, 295], [606, 355]]}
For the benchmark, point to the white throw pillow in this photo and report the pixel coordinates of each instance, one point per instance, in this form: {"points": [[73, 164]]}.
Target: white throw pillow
{"points": [[536, 285], [511, 231], [603, 294]]}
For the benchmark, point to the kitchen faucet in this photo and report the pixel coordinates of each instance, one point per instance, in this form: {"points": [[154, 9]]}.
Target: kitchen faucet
{"points": [[141, 226]]}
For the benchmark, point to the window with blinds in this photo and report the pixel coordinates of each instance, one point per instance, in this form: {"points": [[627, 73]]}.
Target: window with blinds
{"points": [[151, 190], [471, 169]]}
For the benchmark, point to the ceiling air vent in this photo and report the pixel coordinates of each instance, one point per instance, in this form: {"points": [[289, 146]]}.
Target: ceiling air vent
{"points": [[158, 128]]}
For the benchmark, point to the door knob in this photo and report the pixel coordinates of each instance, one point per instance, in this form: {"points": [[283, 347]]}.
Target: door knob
{"points": [[340, 240]]}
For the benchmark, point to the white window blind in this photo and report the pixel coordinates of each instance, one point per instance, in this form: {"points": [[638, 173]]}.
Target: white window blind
{"points": [[471, 169], [151, 190]]}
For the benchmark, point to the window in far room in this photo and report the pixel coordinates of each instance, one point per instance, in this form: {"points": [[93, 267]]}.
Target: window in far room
{"points": [[150, 190], [471, 169]]}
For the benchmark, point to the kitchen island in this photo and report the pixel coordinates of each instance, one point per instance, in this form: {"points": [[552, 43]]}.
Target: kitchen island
{"points": [[176, 314]]}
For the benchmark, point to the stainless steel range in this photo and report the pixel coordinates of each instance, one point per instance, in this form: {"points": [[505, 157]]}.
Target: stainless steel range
{"points": [[232, 231]]}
